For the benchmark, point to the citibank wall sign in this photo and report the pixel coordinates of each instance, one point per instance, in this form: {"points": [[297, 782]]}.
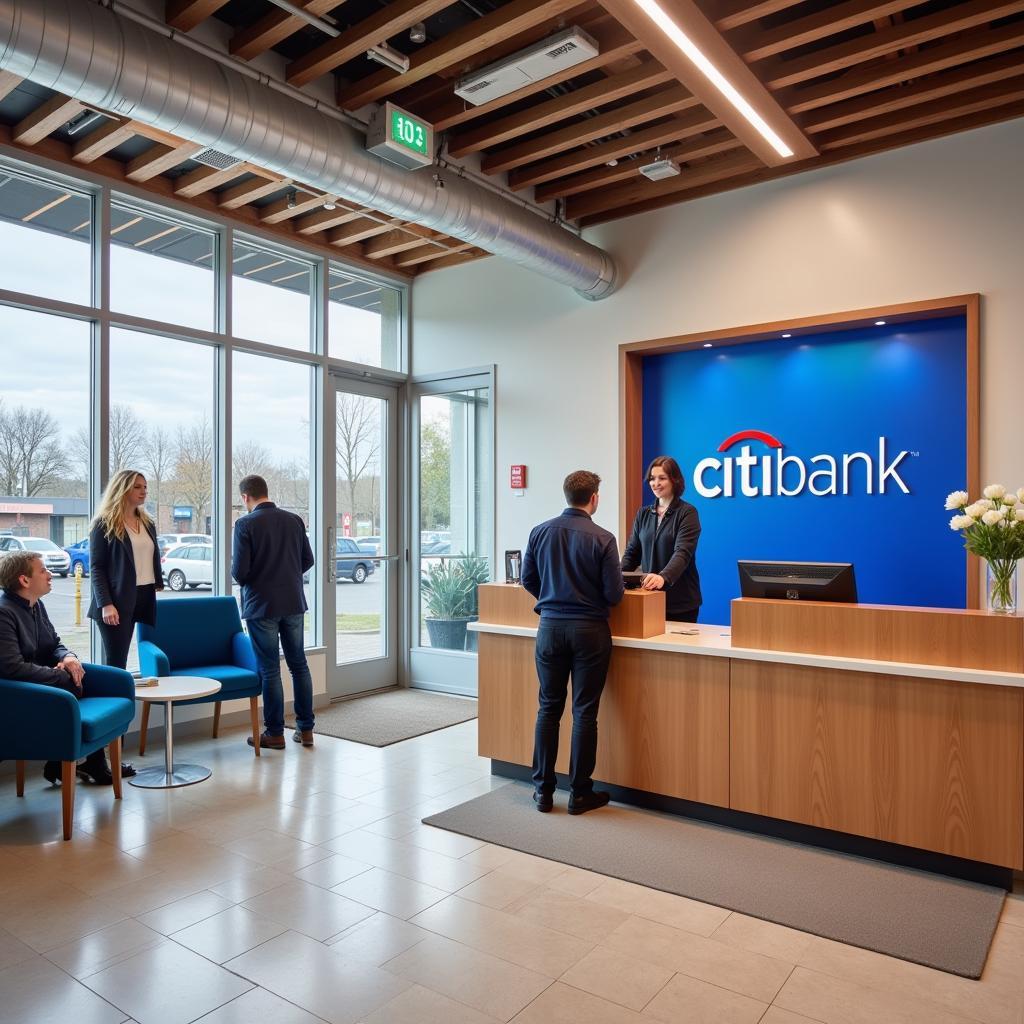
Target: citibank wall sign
{"points": [[747, 474], [835, 448]]}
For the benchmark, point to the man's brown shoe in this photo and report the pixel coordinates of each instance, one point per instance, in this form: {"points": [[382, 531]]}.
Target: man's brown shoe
{"points": [[268, 742], [303, 736]]}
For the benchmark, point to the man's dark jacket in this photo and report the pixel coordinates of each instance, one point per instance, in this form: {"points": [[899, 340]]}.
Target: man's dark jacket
{"points": [[269, 555], [29, 645], [670, 551], [571, 567]]}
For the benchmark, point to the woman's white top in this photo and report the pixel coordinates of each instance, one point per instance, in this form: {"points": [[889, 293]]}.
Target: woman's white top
{"points": [[142, 550]]}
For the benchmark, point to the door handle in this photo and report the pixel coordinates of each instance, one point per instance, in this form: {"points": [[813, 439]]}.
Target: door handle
{"points": [[332, 561]]}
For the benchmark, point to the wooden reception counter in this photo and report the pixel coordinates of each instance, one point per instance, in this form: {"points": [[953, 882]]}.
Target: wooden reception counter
{"points": [[904, 725]]}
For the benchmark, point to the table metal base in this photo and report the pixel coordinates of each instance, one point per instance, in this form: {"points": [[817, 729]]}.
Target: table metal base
{"points": [[160, 778]]}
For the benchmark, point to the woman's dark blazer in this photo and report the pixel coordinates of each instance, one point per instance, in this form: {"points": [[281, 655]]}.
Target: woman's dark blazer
{"points": [[112, 573], [670, 552]]}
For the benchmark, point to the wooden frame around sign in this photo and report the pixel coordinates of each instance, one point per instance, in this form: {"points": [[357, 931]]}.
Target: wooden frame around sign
{"points": [[631, 356]]}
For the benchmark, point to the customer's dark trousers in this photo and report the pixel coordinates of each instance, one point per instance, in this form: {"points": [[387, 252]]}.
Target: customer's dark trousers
{"points": [[580, 648], [265, 634]]}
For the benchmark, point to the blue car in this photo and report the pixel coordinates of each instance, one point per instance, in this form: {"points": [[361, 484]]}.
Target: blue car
{"points": [[79, 554]]}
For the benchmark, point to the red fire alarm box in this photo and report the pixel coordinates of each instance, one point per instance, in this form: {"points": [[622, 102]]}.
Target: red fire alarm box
{"points": [[517, 478]]}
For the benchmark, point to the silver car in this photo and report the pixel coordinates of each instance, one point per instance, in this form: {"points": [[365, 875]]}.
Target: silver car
{"points": [[188, 565], [55, 558]]}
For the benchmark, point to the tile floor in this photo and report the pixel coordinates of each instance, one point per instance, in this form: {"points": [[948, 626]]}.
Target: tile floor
{"points": [[302, 888]]}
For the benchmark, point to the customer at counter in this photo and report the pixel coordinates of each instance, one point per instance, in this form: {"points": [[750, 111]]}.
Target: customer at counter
{"points": [[571, 567], [663, 542]]}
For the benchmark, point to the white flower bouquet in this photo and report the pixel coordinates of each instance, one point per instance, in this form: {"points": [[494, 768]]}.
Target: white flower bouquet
{"points": [[992, 528]]}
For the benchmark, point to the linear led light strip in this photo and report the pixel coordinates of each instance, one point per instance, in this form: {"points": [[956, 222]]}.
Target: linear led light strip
{"points": [[713, 75]]}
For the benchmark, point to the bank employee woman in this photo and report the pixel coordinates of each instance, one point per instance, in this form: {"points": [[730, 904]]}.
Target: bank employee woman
{"points": [[124, 565], [664, 542]]}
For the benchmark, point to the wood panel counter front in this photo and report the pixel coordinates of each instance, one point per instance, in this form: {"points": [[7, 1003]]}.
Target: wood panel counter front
{"points": [[925, 750]]}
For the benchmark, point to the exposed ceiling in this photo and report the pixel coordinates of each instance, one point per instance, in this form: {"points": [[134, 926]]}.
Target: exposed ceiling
{"points": [[836, 79]]}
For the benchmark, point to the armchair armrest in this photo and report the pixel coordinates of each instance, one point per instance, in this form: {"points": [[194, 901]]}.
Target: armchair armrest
{"points": [[242, 653], [38, 722], [104, 681], [152, 660]]}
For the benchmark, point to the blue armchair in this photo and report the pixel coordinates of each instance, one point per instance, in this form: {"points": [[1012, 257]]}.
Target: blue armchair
{"points": [[42, 723], [201, 636]]}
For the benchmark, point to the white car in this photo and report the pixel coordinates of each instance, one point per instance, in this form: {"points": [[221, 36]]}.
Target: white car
{"points": [[167, 541], [188, 565], [55, 558]]}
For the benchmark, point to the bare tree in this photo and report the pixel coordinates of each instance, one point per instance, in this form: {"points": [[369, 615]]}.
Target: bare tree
{"points": [[158, 457], [193, 470], [31, 455], [357, 442], [127, 438], [248, 457]]}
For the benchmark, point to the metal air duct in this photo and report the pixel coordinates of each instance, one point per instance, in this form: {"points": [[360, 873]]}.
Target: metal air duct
{"points": [[95, 55]]}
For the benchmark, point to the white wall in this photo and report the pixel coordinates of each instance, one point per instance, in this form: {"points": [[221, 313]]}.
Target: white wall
{"points": [[936, 219]]}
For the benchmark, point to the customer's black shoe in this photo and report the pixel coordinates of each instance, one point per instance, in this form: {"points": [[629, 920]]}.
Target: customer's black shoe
{"points": [[94, 769], [544, 802], [127, 770], [51, 772], [588, 802]]}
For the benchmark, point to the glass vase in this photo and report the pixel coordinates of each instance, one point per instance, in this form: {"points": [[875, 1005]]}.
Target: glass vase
{"points": [[1001, 586]]}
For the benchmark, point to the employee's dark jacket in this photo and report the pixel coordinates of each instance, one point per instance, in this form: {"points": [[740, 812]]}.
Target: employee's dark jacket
{"points": [[29, 645], [571, 567], [268, 557], [112, 574], [670, 552]]}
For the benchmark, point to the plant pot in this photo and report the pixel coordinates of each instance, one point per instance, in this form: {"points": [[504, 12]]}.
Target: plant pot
{"points": [[447, 634], [1001, 586], [471, 636]]}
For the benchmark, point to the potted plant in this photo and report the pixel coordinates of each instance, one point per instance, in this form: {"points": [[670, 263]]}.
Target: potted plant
{"points": [[445, 590], [477, 570]]}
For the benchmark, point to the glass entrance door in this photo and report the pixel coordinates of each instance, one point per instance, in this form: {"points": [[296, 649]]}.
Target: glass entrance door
{"points": [[361, 621]]}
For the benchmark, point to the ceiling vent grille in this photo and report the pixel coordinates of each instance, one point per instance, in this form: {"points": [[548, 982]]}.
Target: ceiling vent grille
{"points": [[216, 159]]}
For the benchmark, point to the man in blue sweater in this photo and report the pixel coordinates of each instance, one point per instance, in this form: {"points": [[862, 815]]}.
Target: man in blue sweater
{"points": [[571, 567], [269, 555]]}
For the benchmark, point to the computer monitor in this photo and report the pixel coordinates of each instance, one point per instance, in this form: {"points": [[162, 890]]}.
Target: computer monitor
{"points": [[798, 581]]}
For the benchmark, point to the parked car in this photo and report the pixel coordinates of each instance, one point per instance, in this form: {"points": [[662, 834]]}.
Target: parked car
{"points": [[166, 541], [371, 545], [436, 547], [79, 555], [55, 558], [188, 565], [351, 562]]}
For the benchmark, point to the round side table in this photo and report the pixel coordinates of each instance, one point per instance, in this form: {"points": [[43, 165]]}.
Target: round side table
{"points": [[168, 690]]}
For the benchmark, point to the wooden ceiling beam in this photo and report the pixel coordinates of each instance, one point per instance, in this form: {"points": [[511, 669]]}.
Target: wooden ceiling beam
{"points": [[610, 90], [722, 141], [280, 210], [709, 40], [639, 189], [778, 74], [324, 220], [249, 191], [755, 44], [454, 260], [206, 179], [184, 15], [969, 47], [274, 27], [838, 156], [159, 158], [8, 83], [692, 122], [380, 26], [457, 46], [668, 101], [964, 103], [395, 241], [430, 251], [614, 42], [101, 141], [886, 101], [46, 118], [359, 230], [734, 13]]}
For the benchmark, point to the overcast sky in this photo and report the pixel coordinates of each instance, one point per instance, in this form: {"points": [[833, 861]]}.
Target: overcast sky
{"points": [[166, 381]]}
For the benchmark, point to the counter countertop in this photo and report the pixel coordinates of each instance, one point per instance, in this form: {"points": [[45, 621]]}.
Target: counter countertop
{"points": [[716, 642]]}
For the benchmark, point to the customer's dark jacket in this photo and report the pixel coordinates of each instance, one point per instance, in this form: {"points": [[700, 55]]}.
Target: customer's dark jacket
{"points": [[29, 645], [112, 574], [571, 567], [671, 552], [268, 557]]}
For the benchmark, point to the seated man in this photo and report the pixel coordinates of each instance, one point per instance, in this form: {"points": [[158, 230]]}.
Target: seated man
{"points": [[30, 649]]}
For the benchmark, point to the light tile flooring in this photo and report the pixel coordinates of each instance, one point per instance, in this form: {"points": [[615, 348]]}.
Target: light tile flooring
{"points": [[302, 888]]}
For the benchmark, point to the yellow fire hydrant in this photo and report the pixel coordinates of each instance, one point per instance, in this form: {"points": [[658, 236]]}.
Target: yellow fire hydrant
{"points": [[78, 594]]}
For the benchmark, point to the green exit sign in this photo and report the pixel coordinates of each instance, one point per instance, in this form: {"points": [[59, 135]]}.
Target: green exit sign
{"points": [[399, 137]]}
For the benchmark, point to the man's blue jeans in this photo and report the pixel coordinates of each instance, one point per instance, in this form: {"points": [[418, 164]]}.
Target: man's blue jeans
{"points": [[265, 634]]}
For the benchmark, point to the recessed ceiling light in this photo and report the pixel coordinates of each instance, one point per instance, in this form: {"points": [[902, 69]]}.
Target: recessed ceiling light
{"points": [[707, 344], [713, 75], [787, 335], [879, 323]]}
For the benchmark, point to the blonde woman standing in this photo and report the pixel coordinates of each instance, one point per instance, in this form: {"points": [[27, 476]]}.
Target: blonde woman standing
{"points": [[125, 565]]}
